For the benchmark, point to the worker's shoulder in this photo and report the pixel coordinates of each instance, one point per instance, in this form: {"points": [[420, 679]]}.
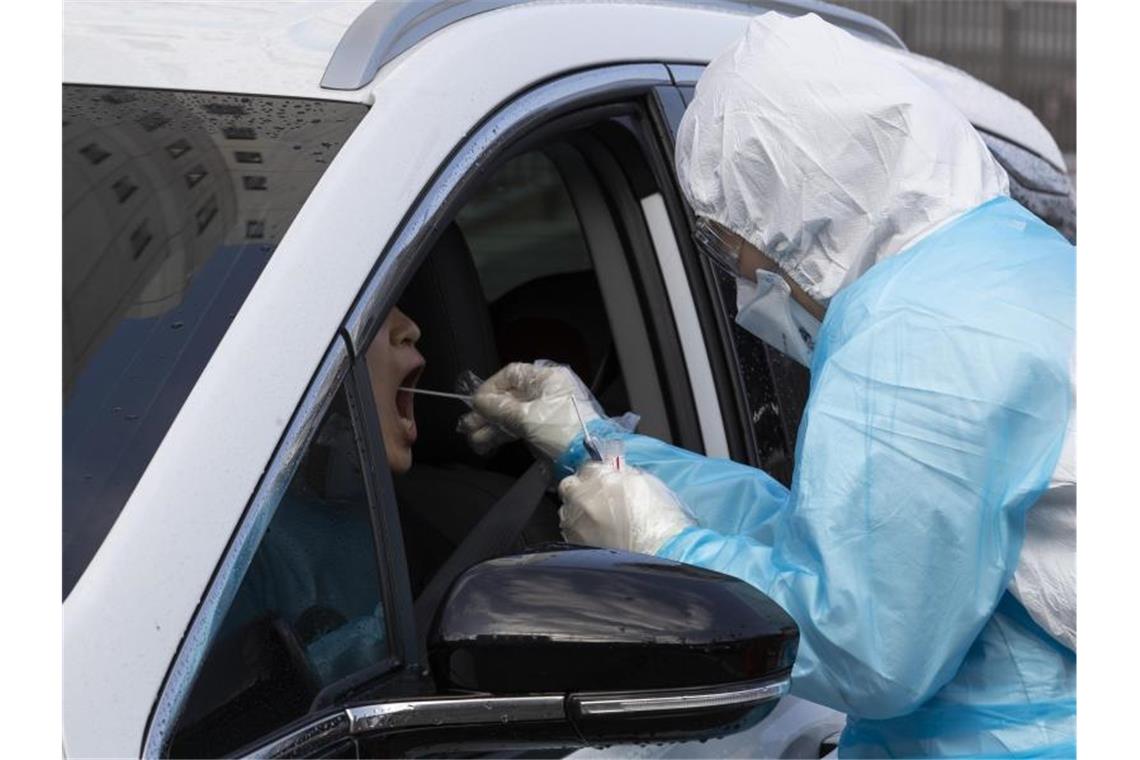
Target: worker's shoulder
{"points": [[997, 272], [998, 249]]}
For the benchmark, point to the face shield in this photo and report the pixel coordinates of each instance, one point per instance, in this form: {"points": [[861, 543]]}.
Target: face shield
{"points": [[765, 305], [718, 245]]}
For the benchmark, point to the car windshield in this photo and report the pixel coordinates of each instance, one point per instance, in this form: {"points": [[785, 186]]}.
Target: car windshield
{"points": [[173, 203]]}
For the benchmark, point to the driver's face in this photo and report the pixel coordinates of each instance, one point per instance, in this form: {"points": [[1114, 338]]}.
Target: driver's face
{"points": [[393, 361]]}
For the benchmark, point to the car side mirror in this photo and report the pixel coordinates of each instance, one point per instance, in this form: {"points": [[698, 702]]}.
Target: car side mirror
{"points": [[642, 649]]}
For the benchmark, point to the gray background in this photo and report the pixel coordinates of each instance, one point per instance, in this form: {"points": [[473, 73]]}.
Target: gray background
{"points": [[1026, 49]]}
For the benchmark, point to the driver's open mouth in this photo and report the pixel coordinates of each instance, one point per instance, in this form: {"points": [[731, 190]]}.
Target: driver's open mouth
{"points": [[405, 403]]}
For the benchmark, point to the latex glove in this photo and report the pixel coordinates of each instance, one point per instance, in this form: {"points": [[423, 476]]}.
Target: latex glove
{"points": [[627, 509], [532, 402]]}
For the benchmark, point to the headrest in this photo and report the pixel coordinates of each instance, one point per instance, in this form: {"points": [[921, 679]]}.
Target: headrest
{"points": [[446, 301]]}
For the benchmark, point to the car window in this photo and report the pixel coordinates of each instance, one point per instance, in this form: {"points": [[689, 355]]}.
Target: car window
{"points": [[307, 613], [775, 389], [172, 204], [512, 278]]}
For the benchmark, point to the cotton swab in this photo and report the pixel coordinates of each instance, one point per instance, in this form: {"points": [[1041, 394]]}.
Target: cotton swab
{"points": [[441, 394]]}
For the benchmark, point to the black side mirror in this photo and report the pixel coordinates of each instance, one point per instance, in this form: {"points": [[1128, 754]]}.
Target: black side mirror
{"points": [[568, 647], [643, 649]]}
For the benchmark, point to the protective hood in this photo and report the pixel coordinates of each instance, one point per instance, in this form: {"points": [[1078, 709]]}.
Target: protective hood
{"points": [[826, 153]]}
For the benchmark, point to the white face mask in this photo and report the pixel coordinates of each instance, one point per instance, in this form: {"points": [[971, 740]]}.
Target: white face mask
{"points": [[766, 309]]}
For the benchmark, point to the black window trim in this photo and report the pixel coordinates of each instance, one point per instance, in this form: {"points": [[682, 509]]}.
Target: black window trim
{"points": [[389, 536], [717, 329]]}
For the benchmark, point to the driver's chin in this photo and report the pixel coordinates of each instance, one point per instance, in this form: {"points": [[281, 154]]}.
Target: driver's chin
{"points": [[399, 455]]}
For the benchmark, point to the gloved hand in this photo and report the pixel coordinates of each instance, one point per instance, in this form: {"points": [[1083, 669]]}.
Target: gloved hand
{"points": [[626, 509], [532, 402]]}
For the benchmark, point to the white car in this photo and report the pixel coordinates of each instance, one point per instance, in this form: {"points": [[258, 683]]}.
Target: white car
{"points": [[249, 191]]}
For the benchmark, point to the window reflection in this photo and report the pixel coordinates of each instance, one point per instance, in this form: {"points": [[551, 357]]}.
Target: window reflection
{"points": [[162, 227]]}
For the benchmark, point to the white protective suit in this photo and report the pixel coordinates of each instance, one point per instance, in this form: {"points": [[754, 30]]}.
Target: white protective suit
{"points": [[887, 165]]}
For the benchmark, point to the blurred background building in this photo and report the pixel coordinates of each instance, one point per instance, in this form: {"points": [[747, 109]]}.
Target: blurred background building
{"points": [[1025, 48]]}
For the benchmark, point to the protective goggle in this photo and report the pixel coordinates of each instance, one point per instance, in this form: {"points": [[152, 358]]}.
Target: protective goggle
{"points": [[718, 244]]}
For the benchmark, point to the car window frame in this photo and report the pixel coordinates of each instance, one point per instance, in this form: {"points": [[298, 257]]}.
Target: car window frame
{"points": [[471, 164], [337, 370], [625, 160]]}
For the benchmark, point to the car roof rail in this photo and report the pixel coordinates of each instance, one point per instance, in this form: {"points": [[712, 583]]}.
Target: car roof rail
{"points": [[387, 28]]}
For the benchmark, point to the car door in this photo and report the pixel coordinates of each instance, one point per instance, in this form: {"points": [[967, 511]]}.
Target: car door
{"points": [[293, 633]]}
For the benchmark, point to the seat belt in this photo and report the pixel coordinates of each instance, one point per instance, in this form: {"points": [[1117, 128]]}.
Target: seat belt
{"points": [[490, 537]]}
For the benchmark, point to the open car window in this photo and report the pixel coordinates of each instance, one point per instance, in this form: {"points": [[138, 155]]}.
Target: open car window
{"points": [[515, 276], [510, 279], [521, 227]]}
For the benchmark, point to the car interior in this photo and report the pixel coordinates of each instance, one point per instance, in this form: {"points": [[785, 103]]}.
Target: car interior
{"points": [[510, 279]]}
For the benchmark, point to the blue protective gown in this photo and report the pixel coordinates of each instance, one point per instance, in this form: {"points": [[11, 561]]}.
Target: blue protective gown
{"points": [[939, 400]]}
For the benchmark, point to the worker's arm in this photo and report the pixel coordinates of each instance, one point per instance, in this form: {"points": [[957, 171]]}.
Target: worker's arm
{"points": [[722, 495]]}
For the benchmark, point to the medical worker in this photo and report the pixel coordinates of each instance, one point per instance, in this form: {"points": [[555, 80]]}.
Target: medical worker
{"points": [[926, 546]]}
